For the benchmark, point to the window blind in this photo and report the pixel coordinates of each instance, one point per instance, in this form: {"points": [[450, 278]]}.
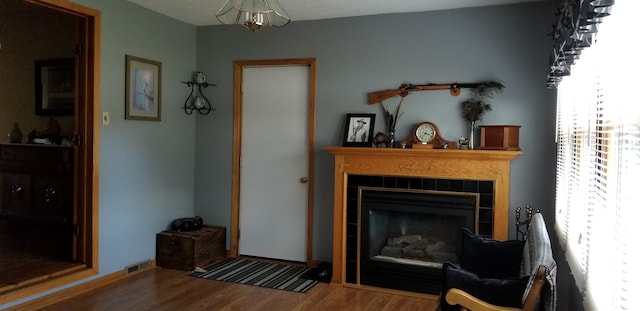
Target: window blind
{"points": [[598, 166]]}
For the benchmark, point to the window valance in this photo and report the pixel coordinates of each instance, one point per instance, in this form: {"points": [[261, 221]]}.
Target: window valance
{"points": [[573, 31]]}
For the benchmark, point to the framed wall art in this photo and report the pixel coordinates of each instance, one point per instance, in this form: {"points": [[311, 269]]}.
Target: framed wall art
{"points": [[55, 86], [143, 83], [358, 131]]}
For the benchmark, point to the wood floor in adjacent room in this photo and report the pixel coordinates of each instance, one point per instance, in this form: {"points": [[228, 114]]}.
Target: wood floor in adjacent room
{"points": [[167, 289], [31, 252]]}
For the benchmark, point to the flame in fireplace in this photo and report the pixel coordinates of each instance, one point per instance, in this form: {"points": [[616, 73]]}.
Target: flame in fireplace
{"points": [[403, 226]]}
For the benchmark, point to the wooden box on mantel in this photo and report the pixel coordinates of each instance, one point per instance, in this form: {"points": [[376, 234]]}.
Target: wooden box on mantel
{"points": [[500, 137], [188, 250]]}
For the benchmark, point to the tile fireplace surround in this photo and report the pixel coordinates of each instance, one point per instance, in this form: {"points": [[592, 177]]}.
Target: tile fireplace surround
{"points": [[426, 164]]}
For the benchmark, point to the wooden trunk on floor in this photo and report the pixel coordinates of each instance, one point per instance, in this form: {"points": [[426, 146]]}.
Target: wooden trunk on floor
{"points": [[188, 250]]}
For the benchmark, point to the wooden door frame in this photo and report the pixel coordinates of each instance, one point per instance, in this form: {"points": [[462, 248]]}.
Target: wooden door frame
{"points": [[238, 67], [86, 153]]}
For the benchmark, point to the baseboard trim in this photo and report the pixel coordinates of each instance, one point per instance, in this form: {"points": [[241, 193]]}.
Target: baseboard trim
{"points": [[78, 289]]}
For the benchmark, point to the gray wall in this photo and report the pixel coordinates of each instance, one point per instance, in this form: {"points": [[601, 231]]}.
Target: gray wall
{"points": [[364, 54], [146, 167]]}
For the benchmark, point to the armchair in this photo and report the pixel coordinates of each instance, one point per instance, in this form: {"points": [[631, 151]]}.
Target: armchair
{"points": [[495, 285]]}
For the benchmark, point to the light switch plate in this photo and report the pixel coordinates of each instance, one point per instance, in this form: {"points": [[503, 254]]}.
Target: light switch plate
{"points": [[105, 118]]}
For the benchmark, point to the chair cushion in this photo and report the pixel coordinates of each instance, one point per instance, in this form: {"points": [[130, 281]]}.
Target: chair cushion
{"points": [[489, 258], [502, 292]]}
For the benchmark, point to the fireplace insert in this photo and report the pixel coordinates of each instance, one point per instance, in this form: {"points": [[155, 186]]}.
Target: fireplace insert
{"points": [[406, 235]]}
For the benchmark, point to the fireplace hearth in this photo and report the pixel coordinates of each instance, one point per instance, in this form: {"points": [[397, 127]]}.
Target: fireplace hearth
{"points": [[413, 256]]}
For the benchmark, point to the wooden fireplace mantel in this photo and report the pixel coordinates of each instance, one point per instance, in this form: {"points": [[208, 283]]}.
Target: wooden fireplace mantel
{"points": [[493, 165]]}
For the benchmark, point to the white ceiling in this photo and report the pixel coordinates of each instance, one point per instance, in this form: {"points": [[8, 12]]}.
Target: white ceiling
{"points": [[202, 12]]}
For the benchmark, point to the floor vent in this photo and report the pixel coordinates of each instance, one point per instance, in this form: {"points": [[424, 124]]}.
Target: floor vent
{"points": [[137, 266]]}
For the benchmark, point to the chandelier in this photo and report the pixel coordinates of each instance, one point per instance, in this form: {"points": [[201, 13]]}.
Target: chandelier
{"points": [[253, 14]]}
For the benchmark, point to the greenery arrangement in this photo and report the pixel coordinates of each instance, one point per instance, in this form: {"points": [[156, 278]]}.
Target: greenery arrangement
{"points": [[391, 120], [474, 108]]}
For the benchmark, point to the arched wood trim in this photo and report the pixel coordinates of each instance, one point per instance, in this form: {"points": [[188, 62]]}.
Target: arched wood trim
{"points": [[237, 143]]}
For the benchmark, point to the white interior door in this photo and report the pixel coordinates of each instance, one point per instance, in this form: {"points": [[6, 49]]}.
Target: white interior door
{"points": [[274, 162]]}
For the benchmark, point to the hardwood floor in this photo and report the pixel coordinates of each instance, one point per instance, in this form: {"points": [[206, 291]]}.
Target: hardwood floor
{"points": [[167, 289], [30, 253]]}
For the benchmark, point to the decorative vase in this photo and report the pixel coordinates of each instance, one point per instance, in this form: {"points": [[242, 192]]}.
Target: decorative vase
{"points": [[392, 138], [198, 102], [200, 77], [472, 136], [15, 136]]}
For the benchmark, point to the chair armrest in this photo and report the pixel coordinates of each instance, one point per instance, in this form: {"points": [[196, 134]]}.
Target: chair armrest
{"points": [[536, 289], [456, 296]]}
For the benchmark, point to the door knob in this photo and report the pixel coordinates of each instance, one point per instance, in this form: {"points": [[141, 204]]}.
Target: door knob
{"points": [[303, 180]]}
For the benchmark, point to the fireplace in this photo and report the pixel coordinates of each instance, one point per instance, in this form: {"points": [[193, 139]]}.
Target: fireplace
{"points": [[406, 235], [484, 174]]}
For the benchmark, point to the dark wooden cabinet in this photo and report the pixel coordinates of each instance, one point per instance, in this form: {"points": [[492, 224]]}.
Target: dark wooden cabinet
{"points": [[188, 250], [36, 182]]}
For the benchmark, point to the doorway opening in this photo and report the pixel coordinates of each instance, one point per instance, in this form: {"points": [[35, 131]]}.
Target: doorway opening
{"points": [[58, 225]]}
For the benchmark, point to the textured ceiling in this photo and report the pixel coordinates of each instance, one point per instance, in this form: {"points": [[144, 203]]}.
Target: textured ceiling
{"points": [[202, 12]]}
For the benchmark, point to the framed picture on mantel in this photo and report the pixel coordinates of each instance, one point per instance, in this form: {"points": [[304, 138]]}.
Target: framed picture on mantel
{"points": [[358, 131]]}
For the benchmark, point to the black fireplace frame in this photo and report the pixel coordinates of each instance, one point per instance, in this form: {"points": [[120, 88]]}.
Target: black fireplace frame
{"points": [[380, 200], [484, 187]]}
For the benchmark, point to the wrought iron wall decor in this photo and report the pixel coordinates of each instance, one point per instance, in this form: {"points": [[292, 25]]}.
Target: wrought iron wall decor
{"points": [[574, 30], [199, 102]]}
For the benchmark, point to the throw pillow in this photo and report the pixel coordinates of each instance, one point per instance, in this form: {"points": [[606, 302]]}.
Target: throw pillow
{"points": [[501, 292], [489, 258]]}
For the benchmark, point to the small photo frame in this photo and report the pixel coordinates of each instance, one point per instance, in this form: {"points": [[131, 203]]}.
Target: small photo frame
{"points": [[358, 131], [143, 83], [55, 87]]}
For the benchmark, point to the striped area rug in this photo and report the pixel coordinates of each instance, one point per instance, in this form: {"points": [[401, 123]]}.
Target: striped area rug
{"points": [[258, 273]]}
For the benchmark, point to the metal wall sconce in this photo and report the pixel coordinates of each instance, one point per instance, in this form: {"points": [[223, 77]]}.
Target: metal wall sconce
{"points": [[199, 102]]}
